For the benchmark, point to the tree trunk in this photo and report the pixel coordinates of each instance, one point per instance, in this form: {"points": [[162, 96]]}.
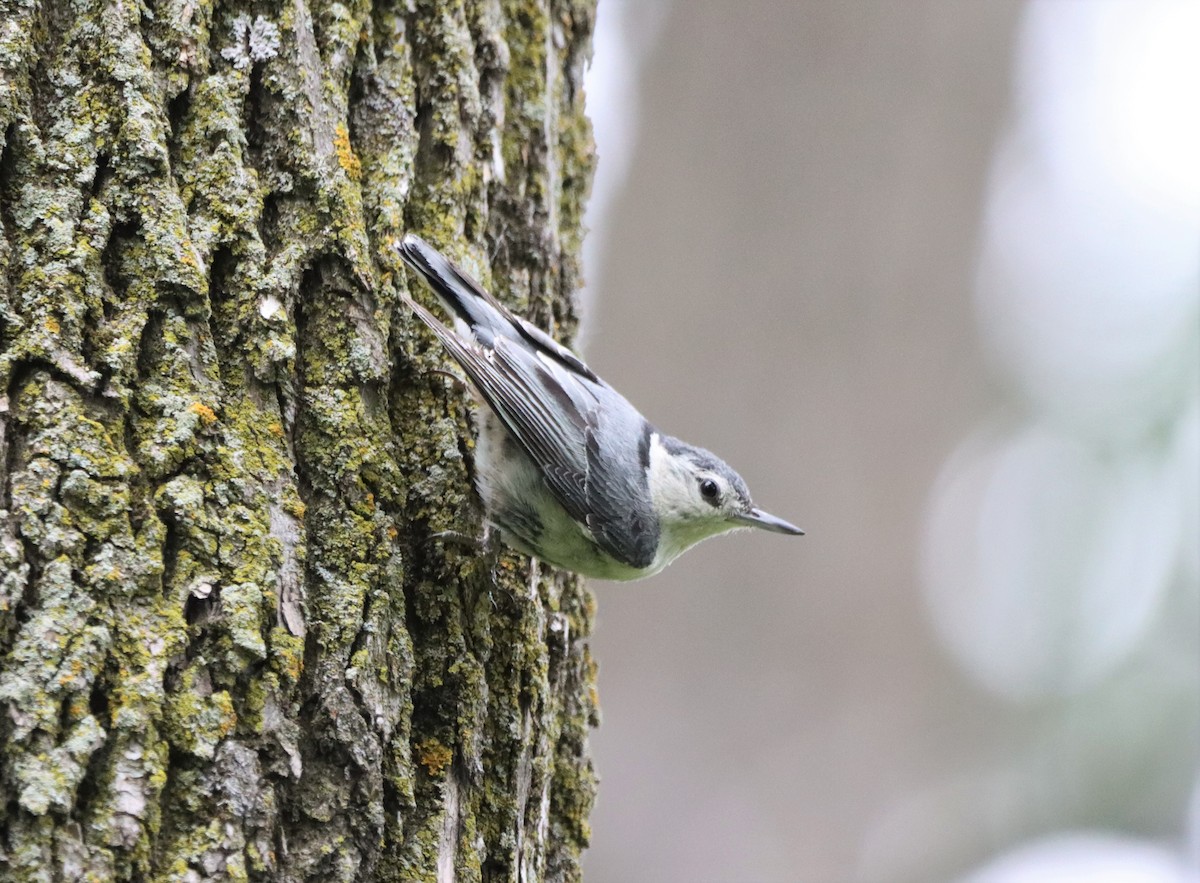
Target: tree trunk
{"points": [[242, 634]]}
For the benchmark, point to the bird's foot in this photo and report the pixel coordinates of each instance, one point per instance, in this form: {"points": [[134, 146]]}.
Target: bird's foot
{"points": [[455, 381], [484, 543]]}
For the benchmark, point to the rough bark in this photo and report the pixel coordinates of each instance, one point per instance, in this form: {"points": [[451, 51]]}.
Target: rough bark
{"points": [[238, 639]]}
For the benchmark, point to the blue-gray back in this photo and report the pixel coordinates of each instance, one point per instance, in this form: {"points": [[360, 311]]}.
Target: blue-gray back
{"points": [[590, 444]]}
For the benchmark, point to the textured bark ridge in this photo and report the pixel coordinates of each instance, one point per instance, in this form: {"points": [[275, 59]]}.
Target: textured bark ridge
{"points": [[240, 634]]}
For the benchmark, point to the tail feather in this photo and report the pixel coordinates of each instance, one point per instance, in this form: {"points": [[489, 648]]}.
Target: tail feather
{"points": [[459, 294], [477, 315]]}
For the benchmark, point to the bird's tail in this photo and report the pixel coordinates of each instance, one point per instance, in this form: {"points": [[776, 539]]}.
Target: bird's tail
{"points": [[462, 297]]}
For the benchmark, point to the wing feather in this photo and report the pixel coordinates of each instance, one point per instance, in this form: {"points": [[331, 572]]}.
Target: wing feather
{"points": [[554, 441], [564, 439]]}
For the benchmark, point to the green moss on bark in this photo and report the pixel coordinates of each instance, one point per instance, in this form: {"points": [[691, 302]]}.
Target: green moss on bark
{"points": [[236, 638]]}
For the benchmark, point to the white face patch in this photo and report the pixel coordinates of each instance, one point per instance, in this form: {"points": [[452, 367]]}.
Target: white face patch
{"points": [[668, 481], [684, 518]]}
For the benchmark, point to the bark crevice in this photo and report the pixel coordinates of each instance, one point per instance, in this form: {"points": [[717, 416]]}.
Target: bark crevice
{"points": [[234, 642]]}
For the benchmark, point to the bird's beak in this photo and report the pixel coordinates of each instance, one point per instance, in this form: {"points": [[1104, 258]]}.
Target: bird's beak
{"points": [[767, 521]]}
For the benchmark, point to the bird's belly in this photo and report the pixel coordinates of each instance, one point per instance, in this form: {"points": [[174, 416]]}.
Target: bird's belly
{"points": [[529, 516]]}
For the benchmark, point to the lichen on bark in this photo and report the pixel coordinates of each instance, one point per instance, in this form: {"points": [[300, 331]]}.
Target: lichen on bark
{"points": [[238, 639]]}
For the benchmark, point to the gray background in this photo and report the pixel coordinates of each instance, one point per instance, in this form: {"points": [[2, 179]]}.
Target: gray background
{"points": [[785, 278]]}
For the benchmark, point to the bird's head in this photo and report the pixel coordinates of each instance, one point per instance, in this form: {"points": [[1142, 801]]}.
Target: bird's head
{"points": [[697, 495]]}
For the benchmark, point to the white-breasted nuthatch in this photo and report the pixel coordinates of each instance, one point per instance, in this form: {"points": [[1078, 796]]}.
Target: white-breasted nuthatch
{"points": [[569, 471]]}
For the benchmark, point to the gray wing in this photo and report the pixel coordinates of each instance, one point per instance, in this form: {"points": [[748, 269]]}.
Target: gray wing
{"points": [[620, 514], [590, 451]]}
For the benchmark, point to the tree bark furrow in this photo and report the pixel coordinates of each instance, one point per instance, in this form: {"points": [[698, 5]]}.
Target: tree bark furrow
{"points": [[237, 640]]}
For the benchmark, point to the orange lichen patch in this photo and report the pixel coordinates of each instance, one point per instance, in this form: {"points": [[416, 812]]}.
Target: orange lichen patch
{"points": [[276, 429], [52, 325], [434, 756], [206, 414], [293, 666], [346, 156]]}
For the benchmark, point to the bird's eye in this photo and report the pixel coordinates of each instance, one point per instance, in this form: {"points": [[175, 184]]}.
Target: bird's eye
{"points": [[710, 490]]}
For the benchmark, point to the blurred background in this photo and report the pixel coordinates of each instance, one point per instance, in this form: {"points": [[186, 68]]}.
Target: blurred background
{"points": [[928, 275]]}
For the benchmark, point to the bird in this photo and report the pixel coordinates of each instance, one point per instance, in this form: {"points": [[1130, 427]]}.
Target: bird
{"points": [[568, 470]]}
